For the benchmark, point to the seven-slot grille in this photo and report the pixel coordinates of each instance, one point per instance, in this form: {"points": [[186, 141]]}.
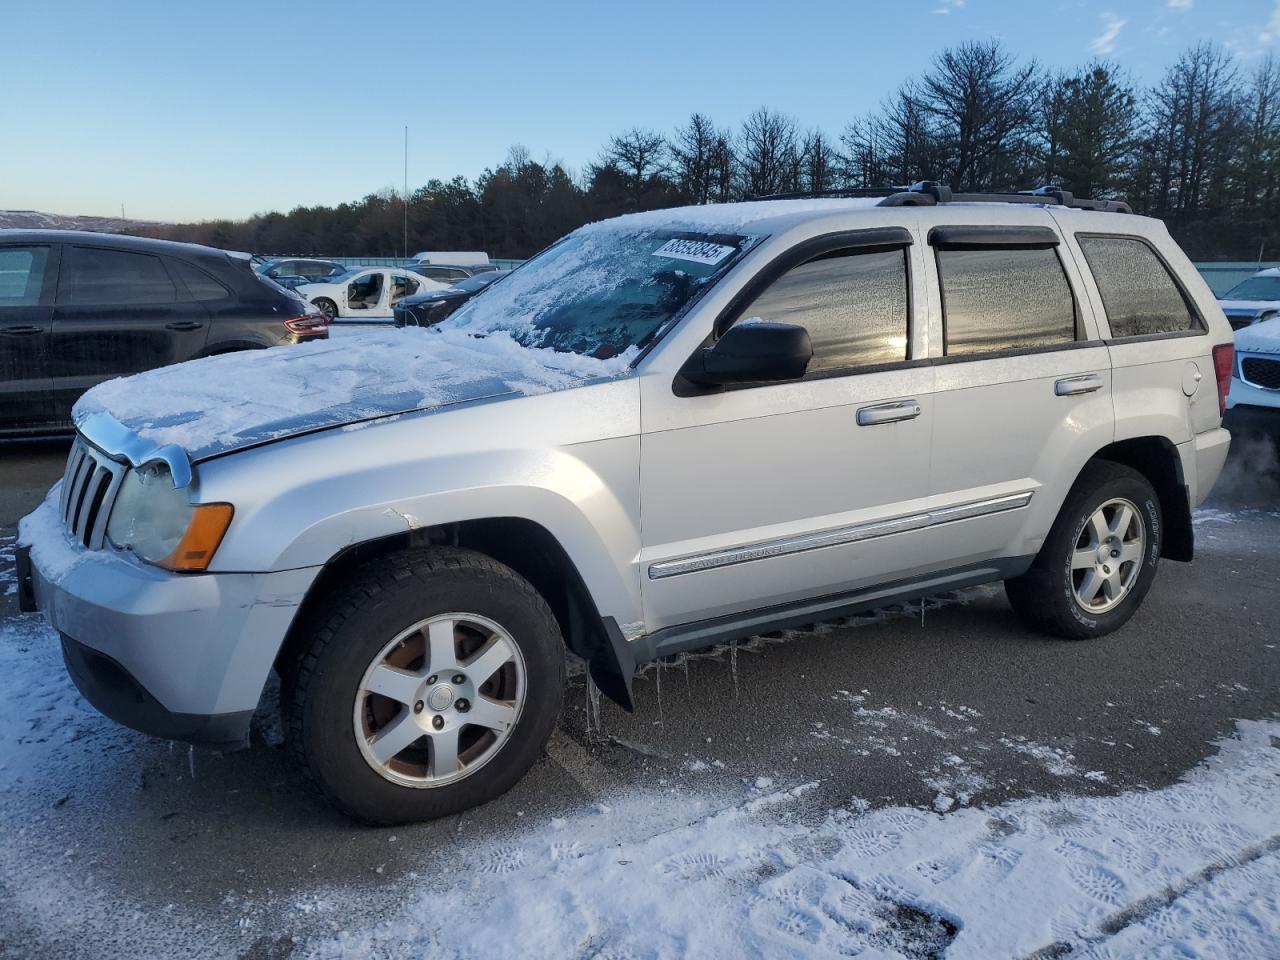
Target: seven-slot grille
{"points": [[89, 488], [1261, 372]]}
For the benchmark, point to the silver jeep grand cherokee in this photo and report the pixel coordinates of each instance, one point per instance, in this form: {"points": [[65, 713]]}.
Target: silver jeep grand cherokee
{"points": [[666, 431]]}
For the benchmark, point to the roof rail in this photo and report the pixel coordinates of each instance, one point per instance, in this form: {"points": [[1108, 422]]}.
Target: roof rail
{"points": [[928, 193], [851, 192]]}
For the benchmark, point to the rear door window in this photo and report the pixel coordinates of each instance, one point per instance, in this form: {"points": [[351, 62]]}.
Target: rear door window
{"points": [[1139, 294], [852, 302], [22, 275], [998, 299], [98, 276]]}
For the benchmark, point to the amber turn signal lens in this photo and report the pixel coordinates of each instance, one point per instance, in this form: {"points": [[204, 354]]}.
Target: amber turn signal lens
{"points": [[209, 522]]}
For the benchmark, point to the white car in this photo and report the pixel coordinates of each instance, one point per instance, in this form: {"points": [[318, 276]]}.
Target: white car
{"points": [[1254, 401], [1254, 299], [369, 294]]}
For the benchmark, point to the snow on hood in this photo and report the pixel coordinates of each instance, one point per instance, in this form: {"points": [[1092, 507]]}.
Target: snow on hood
{"points": [[1248, 306], [1261, 337], [215, 404]]}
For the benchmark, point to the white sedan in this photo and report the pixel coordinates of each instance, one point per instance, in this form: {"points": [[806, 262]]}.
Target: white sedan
{"points": [[367, 294]]}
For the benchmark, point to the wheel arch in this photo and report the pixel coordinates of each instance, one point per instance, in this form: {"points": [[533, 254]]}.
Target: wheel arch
{"points": [[1157, 459], [529, 549]]}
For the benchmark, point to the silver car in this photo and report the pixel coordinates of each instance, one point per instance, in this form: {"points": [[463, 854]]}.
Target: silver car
{"points": [[668, 430]]}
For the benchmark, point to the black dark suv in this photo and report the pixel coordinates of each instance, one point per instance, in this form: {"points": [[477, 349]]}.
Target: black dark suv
{"points": [[79, 308]]}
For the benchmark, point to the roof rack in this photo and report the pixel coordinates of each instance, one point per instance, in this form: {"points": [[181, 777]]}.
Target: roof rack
{"points": [[928, 193]]}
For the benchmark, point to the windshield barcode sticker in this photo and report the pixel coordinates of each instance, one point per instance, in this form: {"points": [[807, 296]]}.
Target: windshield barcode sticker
{"points": [[698, 251]]}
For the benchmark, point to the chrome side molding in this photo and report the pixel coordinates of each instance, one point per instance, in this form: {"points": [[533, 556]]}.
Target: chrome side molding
{"points": [[837, 536]]}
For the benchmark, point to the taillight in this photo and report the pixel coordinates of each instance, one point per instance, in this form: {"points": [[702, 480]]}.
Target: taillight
{"points": [[308, 323], [1224, 362]]}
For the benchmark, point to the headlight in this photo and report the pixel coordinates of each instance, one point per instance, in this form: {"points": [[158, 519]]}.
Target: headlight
{"points": [[159, 523]]}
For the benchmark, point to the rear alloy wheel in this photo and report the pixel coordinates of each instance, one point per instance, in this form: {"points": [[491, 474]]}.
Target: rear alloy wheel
{"points": [[1099, 559], [1108, 556], [428, 683]]}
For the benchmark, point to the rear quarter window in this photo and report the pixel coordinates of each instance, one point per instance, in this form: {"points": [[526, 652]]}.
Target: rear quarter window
{"points": [[1139, 294], [998, 299], [199, 284]]}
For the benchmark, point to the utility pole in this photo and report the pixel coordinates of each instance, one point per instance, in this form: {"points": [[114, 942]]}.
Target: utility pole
{"points": [[406, 191]]}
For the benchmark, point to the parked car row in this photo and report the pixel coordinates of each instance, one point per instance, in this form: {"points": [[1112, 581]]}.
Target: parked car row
{"points": [[80, 308], [1253, 309]]}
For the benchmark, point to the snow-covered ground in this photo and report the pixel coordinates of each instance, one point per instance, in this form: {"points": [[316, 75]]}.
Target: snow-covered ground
{"points": [[1191, 870]]}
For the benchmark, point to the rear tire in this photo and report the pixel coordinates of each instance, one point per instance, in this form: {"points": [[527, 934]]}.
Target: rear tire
{"points": [[386, 707], [1100, 557]]}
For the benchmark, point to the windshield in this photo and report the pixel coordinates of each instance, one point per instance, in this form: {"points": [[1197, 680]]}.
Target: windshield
{"points": [[602, 289], [1255, 288]]}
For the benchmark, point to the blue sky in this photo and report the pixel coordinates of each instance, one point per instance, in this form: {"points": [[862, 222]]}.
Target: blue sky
{"points": [[190, 110]]}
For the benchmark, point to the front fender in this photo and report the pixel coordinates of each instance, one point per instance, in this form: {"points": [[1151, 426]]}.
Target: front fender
{"points": [[301, 502]]}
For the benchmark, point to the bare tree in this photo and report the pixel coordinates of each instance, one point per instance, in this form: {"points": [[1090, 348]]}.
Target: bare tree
{"points": [[895, 146], [768, 153], [1194, 122], [820, 163], [980, 104], [640, 158], [693, 158]]}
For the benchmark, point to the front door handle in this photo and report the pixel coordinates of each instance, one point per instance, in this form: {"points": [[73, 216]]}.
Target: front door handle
{"points": [[888, 413], [21, 331], [183, 325], [1074, 386]]}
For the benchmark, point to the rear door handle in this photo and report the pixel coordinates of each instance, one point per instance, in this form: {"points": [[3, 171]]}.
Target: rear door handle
{"points": [[1074, 386], [21, 331], [183, 325], [888, 413]]}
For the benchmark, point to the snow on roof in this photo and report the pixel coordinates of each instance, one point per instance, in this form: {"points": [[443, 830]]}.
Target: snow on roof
{"points": [[750, 215]]}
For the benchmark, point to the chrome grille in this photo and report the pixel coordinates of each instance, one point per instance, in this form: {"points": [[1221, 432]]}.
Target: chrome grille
{"points": [[1261, 372], [89, 488]]}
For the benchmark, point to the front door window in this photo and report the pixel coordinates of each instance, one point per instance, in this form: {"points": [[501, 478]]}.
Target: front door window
{"points": [[363, 293]]}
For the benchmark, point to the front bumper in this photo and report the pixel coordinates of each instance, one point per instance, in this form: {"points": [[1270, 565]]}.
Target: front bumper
{"points": [[178, 656]]}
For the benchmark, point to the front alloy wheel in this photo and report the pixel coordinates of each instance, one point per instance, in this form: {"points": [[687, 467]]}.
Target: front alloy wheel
{"points": [[438, 701], [427, 683]]}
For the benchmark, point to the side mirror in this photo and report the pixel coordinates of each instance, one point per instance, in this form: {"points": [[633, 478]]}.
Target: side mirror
{"points": [[754, 352]]}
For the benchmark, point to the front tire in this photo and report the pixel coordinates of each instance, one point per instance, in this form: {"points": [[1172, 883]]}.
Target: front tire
{"points": [[431, 685], [327, 307], [1100, 557]]}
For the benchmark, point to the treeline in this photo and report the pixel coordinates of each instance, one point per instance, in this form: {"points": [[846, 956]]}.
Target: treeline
{"points": [[1198, 149]]}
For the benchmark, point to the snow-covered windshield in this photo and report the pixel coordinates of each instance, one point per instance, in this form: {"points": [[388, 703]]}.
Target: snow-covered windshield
{"points": [[602, 289], [1255, 288]]}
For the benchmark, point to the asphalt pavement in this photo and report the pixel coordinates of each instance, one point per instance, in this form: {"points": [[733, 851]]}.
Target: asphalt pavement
{"points": [[944, 703]]}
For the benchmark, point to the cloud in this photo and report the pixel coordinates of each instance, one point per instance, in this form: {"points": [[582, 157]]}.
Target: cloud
{"points": [[1271, 31], [949, 5], [1105, 42], [1180, 4]]}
